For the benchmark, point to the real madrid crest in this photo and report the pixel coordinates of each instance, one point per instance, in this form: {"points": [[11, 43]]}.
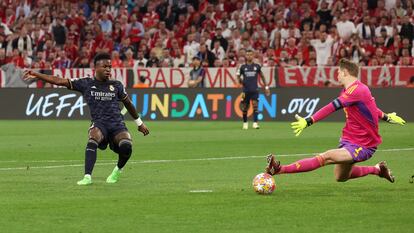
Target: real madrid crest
{"points": [[255, 68], [111, 88]]}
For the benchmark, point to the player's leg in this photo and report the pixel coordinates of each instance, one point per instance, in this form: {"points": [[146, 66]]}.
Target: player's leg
{"points": [[342, 157], [360, 154], [123, 146], [344, 172], [335, 156], [255, 103], [245, 104], [95, 138]]}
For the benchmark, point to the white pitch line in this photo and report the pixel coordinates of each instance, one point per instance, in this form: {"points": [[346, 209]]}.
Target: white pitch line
{"points": [[51, 161], [201, 191], [181, 160], [175, 160]]}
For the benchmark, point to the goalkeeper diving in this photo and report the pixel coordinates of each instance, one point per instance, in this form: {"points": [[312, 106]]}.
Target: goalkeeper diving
{"points": [[360, 137]]}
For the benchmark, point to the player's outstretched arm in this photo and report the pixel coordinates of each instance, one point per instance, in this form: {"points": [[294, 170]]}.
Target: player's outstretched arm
{"points": [[392, 118], [133, 112], [301, 123], [30, 75]]}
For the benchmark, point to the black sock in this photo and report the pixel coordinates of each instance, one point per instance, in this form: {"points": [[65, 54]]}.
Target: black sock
{"points": [[125, 151], [122, 160], [255, 113], [90, 156], [244, 117]]}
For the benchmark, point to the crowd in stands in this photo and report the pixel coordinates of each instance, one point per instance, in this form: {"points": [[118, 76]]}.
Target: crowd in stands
{"points": [[47, 34]]}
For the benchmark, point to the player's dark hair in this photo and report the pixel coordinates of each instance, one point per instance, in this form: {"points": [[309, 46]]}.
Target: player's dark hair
{"points": [[101, 56], [249, 51], [142, 79], [350, 66]]}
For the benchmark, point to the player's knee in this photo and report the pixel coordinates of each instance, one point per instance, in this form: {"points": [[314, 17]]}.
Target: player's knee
{"points": [[341, 179], [340, 176], [255, 109], [255, 104], [327, 158], [96, 135], [92, 144], [125, 147]]}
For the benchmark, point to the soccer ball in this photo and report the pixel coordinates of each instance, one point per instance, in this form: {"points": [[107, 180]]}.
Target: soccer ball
{"points": [[264, 183]]}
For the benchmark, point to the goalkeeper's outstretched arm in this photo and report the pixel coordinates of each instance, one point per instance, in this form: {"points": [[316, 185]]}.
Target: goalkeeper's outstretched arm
{"points": [[390, 117], [301, 123]]}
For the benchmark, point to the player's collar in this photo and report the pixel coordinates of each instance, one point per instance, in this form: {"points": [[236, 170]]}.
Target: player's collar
{"points": [[352, 84], [94, 78]]}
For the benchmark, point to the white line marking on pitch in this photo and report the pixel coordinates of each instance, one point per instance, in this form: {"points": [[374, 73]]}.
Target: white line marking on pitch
{"points": [[201, 191], [52, 161], [172, 161]]}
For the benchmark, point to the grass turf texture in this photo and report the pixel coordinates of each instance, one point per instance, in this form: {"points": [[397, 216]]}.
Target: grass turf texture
{"points": [[155, 197]]}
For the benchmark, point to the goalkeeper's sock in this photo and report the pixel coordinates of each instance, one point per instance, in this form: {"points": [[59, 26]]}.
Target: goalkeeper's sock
{"points": [[360, 171], [244, 117], [303, 165]]}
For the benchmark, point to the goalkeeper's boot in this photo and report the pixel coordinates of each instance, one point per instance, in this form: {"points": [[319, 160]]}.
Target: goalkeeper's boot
{"points": [[87, 180], [273, 165], [245, 125], [255, 125], [114, 177], [385, 172]]}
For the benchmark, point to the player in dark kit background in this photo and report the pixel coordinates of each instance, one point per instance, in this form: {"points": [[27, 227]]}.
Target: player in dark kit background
{"points": [[102, 96], [250, 71]]}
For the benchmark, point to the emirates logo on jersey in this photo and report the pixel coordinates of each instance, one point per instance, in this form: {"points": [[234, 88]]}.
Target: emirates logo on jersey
{"points": [[102, 96]]}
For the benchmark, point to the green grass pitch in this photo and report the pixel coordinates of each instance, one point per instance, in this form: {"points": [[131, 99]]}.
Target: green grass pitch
{"points": [[40, 162]]}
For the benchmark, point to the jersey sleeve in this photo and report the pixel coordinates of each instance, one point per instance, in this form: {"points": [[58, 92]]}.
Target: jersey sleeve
{"points": [[78, 84], [381, 114], [259, 68], [350, 96], [202, 73], [122, 94]]}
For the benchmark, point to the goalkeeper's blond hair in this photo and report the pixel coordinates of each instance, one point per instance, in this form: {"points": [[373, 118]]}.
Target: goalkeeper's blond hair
{"points": [[351, 67]]}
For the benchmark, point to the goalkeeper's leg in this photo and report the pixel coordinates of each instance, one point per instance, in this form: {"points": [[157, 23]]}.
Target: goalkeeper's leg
{"points": [[335, 156], [380, 169], [344, 166]]}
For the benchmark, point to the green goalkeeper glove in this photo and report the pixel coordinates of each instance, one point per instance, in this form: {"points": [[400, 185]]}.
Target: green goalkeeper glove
{"points": [[300, 124], [394, 119]]}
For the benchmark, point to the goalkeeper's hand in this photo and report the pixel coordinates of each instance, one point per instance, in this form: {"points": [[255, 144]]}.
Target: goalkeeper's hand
{"points": [[394, 119], [300, 124]]}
